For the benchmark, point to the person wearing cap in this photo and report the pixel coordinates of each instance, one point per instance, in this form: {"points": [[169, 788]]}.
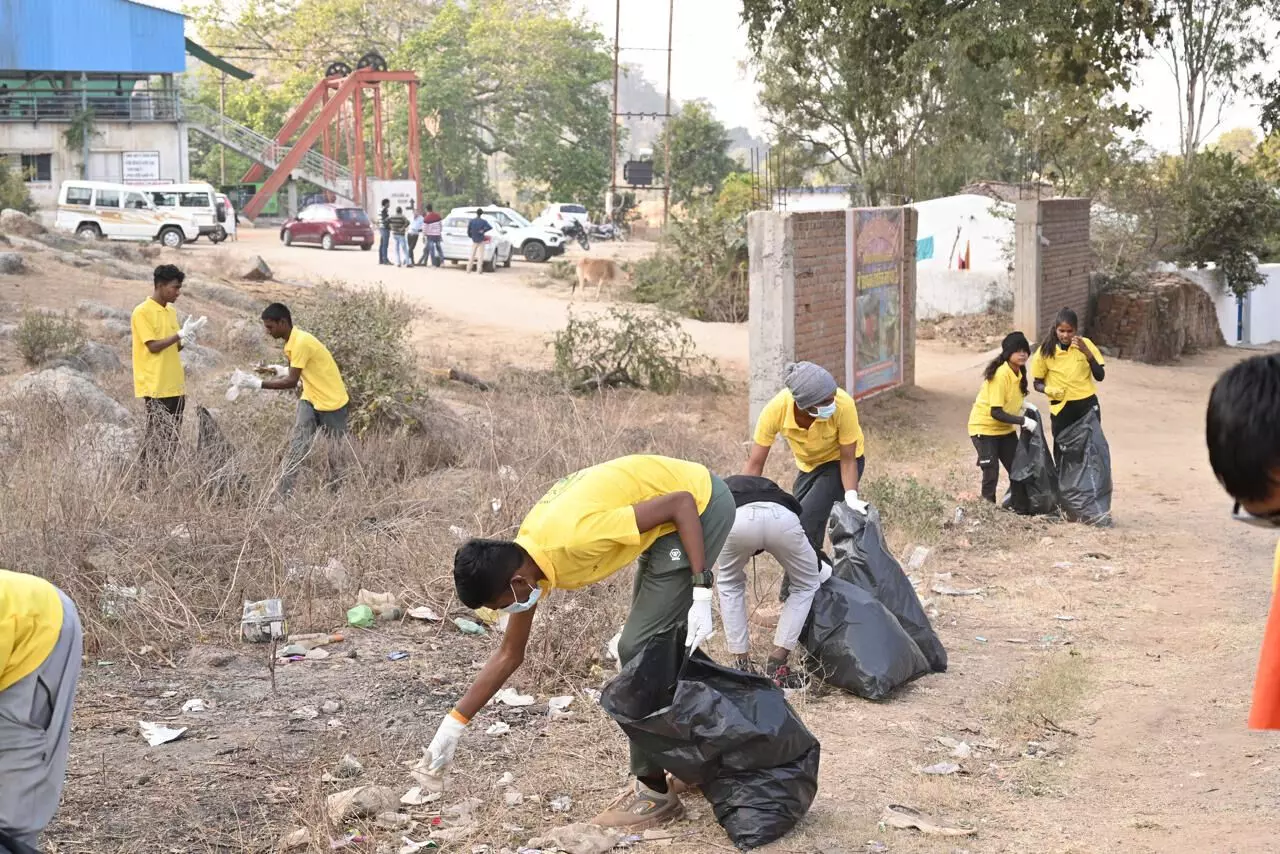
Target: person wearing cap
{"points": [[820, 422], [1000, 410]]}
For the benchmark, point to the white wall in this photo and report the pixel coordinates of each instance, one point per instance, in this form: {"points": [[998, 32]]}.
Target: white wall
{"points": [[109, 141], [1261, 306]]}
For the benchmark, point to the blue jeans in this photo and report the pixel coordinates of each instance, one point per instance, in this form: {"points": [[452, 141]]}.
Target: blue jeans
{"points": [[434, 252], [384, 243], [403, 258]]}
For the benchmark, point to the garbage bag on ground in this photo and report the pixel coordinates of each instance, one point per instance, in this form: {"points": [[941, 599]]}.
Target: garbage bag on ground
{"points": [[1034, 477], [855, 644], [711, 723], [863, 559], [1084, 471]]}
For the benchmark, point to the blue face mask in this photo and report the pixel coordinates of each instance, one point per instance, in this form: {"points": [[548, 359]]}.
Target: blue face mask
{"points": [[518, 607], [825, 411]]}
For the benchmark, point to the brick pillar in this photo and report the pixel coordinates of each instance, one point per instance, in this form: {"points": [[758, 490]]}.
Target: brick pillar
{"points": [[1053, 257]]}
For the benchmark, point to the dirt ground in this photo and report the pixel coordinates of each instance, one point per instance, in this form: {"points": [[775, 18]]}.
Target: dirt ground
{"points": [[1102, 677]]}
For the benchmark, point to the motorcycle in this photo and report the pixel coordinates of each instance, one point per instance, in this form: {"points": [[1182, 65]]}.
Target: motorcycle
{"points": [[606, 231], [575, 231]]}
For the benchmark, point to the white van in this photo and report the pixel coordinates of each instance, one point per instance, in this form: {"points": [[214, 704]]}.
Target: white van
{"points": [[198, 201], [97, 209]]}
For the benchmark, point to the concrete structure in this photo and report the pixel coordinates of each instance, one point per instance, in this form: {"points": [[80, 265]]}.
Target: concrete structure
{"points": [[833, 287], [1156, 319], [1253, 321], [1052, 262]]}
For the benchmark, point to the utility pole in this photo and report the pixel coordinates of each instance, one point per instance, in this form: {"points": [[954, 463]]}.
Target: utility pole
{"points": [[613, 128], [666, 136], [222, 114]]}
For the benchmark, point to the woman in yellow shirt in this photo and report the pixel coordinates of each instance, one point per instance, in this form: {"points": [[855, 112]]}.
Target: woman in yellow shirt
{"points": [[820, 422], [1065, 369], [999, 411]]}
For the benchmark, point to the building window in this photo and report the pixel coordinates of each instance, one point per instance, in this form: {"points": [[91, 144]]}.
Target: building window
{"points": [[37, 168]]}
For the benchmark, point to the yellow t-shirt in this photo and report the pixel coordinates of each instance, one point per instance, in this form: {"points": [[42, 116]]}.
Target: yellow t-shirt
{"points": [[584, 529], [156, 374], [820, 442], [1003, 390], [1067, 376], [30, 622], [322, 384]]}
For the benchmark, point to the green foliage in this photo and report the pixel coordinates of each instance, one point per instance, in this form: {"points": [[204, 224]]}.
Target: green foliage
{"points": [[43, 337], [367, 332], [13, 190], [626, 347], [917, 510], [701, 270], [699, 153], [78, 133]]}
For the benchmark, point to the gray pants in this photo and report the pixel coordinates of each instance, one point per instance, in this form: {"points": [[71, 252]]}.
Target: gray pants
{"points": [[333, 429], [818, 491], [663, 592], [35, 731]]}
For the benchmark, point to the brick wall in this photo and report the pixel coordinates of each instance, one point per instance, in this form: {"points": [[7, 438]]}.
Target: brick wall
{"points": [[819, 262], [1157, 320], [1065, 261]]}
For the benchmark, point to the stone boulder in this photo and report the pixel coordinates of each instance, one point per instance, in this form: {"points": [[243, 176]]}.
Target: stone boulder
{"points": [[74, 392], [105, 450], [97, 309], [117, 327], [92, 358], [197, 358], [1157, 319], [257, 271], [16, 222], [11, 263]]}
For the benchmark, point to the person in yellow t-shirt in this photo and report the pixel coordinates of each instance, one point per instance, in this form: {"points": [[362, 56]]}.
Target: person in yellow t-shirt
{"points": [[1242, 431], [669, 515], [1000, 410], [41, 641], [1065, 368], [158, 378], [819, 420], [323, 403]]}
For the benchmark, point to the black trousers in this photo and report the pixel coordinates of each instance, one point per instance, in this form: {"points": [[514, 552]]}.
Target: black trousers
{"points": [[160, 433], [994, 452], [818, 491], [1072, 412]]}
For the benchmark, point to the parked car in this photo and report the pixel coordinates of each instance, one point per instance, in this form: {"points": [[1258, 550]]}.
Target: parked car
{"points": [[457, 245], [97, 209], [559, 214], [535, 242], [330, 226], [199, 201]]}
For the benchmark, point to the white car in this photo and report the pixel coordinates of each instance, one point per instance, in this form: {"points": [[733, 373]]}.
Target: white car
{"points": [[558, 214], [456, 245], [535, 242], [98, 210]]}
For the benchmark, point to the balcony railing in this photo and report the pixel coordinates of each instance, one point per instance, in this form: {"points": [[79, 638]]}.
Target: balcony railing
{"points": [[64, 106]]}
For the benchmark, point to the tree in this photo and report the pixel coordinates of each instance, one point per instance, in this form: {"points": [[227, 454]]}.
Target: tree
{"points": [[1240, 143], [700, 158], [1211, 47]]}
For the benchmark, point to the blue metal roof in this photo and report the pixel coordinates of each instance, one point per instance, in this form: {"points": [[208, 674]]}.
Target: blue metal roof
{"points": [[113, 36]]}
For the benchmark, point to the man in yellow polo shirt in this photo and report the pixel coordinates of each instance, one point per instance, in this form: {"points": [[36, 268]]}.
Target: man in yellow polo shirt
{"points": [[323, 405], [40, 646], [669, 515], [158, 377]]}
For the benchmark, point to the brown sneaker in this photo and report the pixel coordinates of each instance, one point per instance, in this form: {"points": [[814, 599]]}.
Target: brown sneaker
{"points": [[640, 808]]}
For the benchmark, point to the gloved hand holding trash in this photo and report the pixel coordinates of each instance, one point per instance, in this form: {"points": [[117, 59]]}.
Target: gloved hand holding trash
{"points": [[855, 504], [445, 743], [190, 328], [701, 621], [240, 380]]}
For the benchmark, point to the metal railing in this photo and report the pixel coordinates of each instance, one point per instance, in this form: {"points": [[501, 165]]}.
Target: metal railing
{"points": [[46, 106]]}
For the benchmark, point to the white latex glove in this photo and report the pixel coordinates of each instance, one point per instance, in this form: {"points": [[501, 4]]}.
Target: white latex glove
{"points": [[190, 328], [701, 623], [824, 572], [444, 744], [244, 379], [281, 371], [855, 504], [1028, 406], [1029, 424]]}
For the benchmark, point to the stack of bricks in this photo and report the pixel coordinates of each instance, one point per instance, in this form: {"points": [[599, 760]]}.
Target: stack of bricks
{"points": [[1156, 320], [1066, 260], [819, 241]]}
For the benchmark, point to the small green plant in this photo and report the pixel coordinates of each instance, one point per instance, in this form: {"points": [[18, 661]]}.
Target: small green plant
{"points": [[43, 337], [13, 190], [915, 510], [702, 272], [562, 270], [640, 349]]}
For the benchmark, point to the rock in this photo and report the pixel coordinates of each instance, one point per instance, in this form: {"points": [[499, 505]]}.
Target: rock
{"points": [[243, 335], [197, 358], [11, 263], [97, 309], [361, 802], [105, 449], [73, 391], [96, 358], [7, 330], [16, 222], [258, 271], [119, 328], [941, 769], [208, 656], [331, 707]]}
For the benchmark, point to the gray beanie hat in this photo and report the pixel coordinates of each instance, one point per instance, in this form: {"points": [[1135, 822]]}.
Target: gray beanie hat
{"points": [[810, 384]]}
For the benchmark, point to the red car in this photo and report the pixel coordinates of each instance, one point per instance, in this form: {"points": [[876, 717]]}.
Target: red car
{"points": [[330, 226]]}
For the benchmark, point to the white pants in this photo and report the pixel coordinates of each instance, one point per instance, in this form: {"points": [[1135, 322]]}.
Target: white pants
{"points": [[763, 525]]}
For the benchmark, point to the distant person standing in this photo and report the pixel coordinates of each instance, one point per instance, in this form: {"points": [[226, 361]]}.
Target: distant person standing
{"points": [[399, 224], [477, 228], [431, 230], [415, 229], [384, 228], [157, 367]]}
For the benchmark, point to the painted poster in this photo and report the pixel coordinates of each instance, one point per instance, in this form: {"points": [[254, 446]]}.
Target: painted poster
{"points": [[877, 285]]}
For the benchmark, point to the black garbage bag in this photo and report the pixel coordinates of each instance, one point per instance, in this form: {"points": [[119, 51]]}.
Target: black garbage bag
{"points": [[1034, 477], [708, 723], [1084, 471], [855, 644], [863, 559]]}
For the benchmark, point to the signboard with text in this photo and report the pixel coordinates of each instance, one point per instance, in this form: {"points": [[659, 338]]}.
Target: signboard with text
{"points": [[873, 299], [140, 167]]}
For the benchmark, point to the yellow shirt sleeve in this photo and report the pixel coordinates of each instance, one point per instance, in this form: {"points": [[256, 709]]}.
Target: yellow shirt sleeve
{"points": [[1039, 370], [144, 326], [769, 423], [848, 430], [998, 390], [1097, 354], [300, 354]]}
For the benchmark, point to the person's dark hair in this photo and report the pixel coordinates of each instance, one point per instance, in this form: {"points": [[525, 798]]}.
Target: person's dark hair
{"points": [[277, 311], [399, 210], [386, 202], [482, 569], [1050, 343], [429, 207], [1240, 428], [1014, 342], [166, 273], [479, 212]]}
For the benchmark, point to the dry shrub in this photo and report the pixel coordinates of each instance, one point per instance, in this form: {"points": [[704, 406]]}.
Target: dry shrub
{"points": [[641, 349], [42, 337]]}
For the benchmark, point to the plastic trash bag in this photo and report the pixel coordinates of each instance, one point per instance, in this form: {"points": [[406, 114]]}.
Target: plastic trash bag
{"points": [[855, 644], [863, 559], [1034, 477], [728, 732], [1084, 471], [9, 845]]}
